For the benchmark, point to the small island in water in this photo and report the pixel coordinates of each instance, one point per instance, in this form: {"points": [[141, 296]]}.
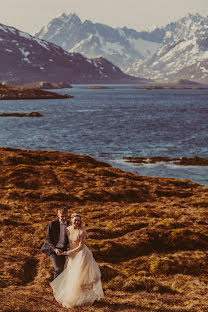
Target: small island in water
{"points": [[22, 93], [98, 87], [179, 84], [32, 114], [173, 87]]}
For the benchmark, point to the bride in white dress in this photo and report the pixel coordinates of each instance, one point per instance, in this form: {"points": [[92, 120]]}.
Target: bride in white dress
{"points": [[80, 282]]}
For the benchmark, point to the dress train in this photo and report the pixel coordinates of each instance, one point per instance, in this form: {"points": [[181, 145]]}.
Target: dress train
{"points": [[80, 282]]}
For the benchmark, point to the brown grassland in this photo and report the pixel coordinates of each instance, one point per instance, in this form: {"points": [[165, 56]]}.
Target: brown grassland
{"points": [[148, 235]]}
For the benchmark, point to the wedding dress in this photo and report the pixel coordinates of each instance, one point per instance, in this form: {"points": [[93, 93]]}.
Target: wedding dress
{"points": [[80, 282]]}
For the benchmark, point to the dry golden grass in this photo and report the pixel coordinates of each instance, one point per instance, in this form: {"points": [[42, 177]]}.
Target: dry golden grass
{"points": [[149, 235]]}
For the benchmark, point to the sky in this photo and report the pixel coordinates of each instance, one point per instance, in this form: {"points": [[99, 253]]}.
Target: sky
{"points": [[31, 15]]}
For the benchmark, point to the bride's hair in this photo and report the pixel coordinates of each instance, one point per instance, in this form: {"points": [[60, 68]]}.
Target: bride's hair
{"points": [[74, 215]]}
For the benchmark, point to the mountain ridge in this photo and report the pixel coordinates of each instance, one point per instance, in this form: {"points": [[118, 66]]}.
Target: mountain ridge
{"points": [[184, 48], [166, 53], [25, 58], [110, 41]]}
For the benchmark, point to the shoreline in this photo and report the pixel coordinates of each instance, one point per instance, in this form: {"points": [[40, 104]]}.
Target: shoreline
{"points": [[196, 174], [137, 162]]}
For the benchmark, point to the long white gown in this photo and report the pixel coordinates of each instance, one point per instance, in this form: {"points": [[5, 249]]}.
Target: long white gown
{"points": [[80, 282]]}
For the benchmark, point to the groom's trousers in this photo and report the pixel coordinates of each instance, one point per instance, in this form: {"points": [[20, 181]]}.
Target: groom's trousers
{"points": [[58, 263]]}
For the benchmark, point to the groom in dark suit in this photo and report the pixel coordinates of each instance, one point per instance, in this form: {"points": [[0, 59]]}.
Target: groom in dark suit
{"points": [[57, 241]]}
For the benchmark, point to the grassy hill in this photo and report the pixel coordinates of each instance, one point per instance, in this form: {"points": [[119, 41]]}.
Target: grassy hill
{"points": [[148, 235]]}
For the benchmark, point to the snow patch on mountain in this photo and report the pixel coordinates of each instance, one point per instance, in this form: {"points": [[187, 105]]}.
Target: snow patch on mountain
{"points": [[146, 48], [110, 47], [25, 54]]}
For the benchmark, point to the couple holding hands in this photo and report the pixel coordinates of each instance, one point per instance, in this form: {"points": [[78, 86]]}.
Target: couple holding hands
{"points": [[77, 277]]}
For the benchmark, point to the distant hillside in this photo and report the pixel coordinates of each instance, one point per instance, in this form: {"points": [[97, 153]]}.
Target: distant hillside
{"points": [[24, 59]]}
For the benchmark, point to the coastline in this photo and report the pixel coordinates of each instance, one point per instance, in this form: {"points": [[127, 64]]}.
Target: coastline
{"points": [[197, 174]]}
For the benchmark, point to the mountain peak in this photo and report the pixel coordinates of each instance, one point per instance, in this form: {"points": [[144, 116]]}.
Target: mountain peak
{"points": [[73, 18], [64, 18], [63, 15], [194, 15], [191, 17]]}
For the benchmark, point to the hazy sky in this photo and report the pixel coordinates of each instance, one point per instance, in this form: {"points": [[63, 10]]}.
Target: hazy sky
{"points": [[31, 15]]}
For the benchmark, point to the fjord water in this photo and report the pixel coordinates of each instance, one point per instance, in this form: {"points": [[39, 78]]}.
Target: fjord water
{"points": [[109, 124]]}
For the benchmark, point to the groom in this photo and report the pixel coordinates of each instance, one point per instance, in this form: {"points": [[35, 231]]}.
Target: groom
{"points": [[57, 240]]}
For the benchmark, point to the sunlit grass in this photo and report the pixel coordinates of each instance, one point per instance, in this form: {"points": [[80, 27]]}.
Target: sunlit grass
{"points": [[149, 235]]}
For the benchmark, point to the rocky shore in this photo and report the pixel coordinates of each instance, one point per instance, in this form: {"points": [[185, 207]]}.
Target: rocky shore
{"points": [[20, 93], [149, 235], [183, 161]]}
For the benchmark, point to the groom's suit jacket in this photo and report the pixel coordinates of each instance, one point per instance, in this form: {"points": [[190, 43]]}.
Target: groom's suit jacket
{"points": [[52, 238]]}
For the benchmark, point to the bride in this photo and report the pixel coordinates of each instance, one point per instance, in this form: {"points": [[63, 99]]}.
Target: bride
{"points": [[80, 282]]}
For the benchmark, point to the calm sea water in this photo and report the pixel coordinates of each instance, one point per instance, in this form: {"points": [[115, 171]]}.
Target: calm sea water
{"points": [[110, 124]]}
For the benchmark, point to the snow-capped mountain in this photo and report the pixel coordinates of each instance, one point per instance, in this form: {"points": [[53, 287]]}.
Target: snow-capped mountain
{"points": [[186, 28], [178, 50], [24, 58], [121, 46], [184, 52]]}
